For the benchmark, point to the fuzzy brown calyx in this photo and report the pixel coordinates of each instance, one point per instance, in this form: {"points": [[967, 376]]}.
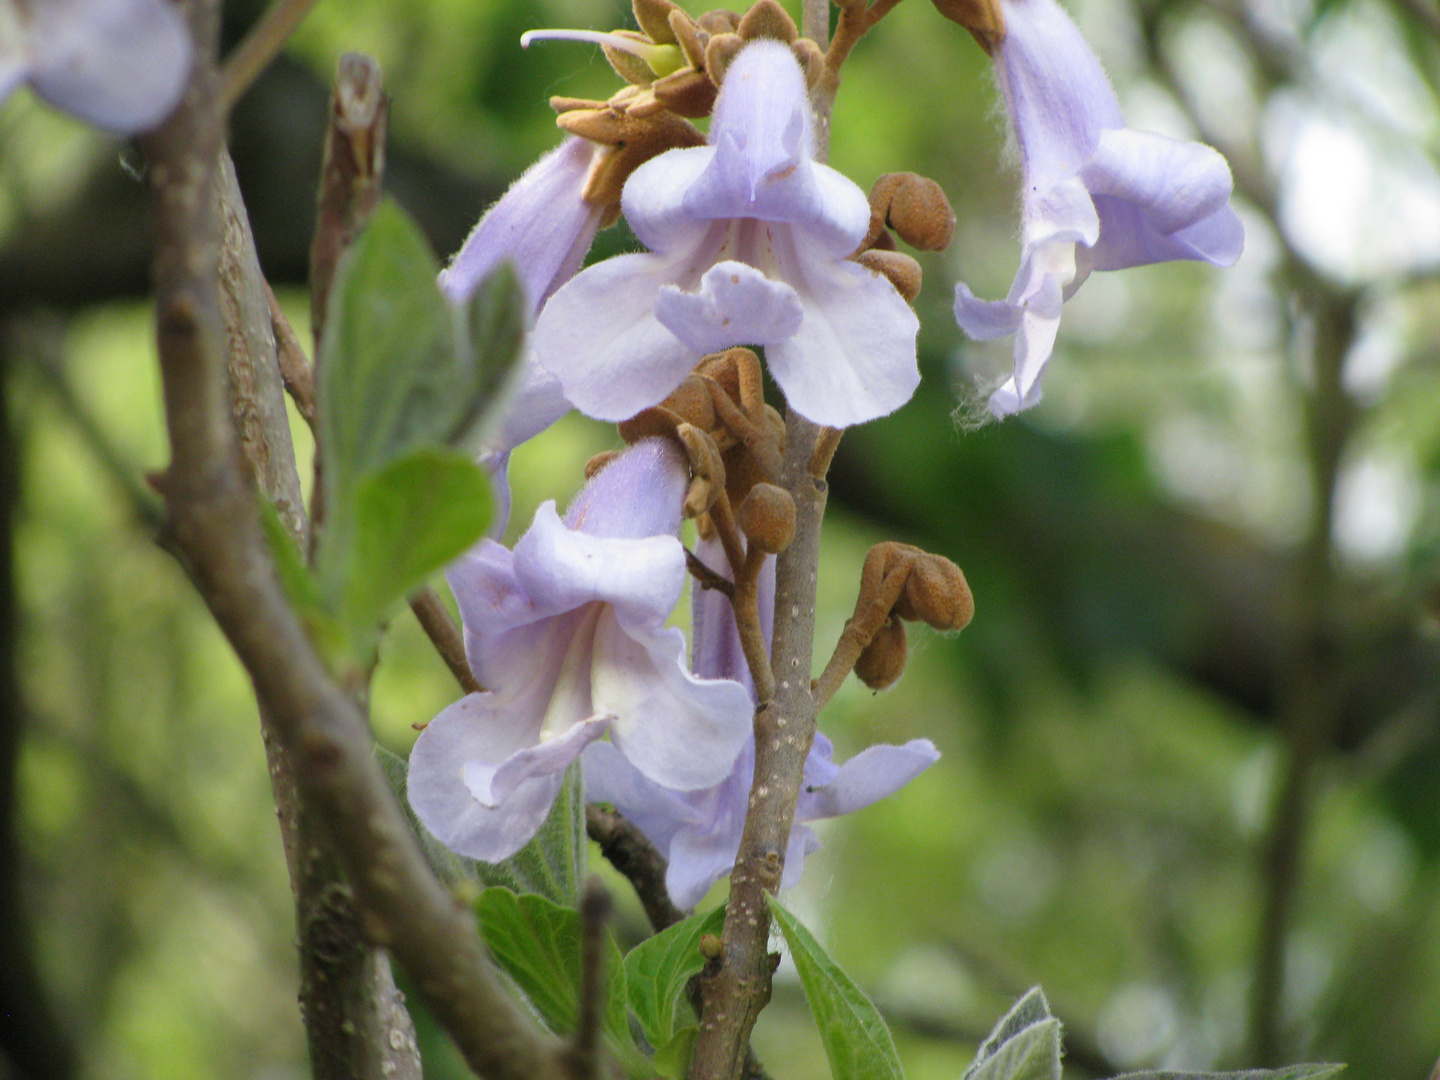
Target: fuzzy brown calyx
{"points": [[883, 660], [767, 518], [633, 140], [767, 19], [983, 18]]}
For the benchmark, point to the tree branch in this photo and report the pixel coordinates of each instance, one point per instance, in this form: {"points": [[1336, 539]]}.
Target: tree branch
{"points": [[626, 849], [213, 520]]}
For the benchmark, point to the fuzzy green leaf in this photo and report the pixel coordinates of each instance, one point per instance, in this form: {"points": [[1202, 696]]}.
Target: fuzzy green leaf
{"points": [[657, 970], [537, 942], [856, 1040], [1025, 1044], [410, 519]]}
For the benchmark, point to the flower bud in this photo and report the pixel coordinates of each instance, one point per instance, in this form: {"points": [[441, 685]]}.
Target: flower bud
{"points": [[882, 661], [936, 594], [767, 517], [920, 214], [901, 269]]}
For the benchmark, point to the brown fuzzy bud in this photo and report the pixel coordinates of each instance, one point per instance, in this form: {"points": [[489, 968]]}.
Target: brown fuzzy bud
{"points": [[901, 269], [767, 517], [921, 215], [915, 207], [936, 594], [883, 660], [983, 18], [767, 19], [711, 947]]}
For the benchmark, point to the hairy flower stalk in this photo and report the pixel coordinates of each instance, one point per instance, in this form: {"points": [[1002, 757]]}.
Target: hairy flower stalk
{"points": [[1097, 195], [568, 632]]}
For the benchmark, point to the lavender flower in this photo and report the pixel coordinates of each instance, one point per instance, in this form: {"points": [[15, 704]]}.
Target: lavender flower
{"points": [[699, 831], [749, 237], [118, 64], [568, 633], [1097, 195]]}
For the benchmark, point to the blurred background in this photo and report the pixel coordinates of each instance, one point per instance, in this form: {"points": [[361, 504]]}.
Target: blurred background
{"points": [[1191, 772]]}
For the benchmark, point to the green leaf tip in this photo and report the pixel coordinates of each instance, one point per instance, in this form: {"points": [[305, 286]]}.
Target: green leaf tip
{"points": [[856, 1040], [1289, 1072], [1025, 1044]]}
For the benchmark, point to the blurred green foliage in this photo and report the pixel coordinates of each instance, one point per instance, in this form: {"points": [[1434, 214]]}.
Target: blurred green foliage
{"points": [[1111, 723]]}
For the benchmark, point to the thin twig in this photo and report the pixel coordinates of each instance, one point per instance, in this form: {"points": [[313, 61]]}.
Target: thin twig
{"points": [[707, 578], [879, 590], [261, 45], [350, 175], [295, 367], [635, 857], [585, 1044], [445, 636], [213, 519]]}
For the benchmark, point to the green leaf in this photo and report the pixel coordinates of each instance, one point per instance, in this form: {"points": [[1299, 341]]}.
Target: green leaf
{"points": [[537, 942], [855, 1038], [657, 970], [1290, 1072], [672, 1060], [1025, 1044], [388, 358], [490, 335], [1033, 1053], [410, 519], [551, 865]]}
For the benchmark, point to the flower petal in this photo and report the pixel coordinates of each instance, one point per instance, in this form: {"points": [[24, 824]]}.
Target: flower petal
{"points": [[474, 730], [853, 357], [119, 64], [560, 569], [599, 336], [541, 224], [735, 305], [1151, 191], [679, 730], [866, 778]]}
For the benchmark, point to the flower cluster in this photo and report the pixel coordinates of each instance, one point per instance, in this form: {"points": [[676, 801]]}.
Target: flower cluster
{"points": [[751, 242]]}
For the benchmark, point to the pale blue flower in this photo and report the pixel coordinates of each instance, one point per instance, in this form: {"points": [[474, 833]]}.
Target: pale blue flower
{"points": [[1097, 195], [568, 634], [748, 239], [699, 832], [118, 64]]}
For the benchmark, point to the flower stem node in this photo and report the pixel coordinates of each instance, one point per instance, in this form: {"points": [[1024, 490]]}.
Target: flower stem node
{"points": [[983, 18], [882, 662], [767, 518]]}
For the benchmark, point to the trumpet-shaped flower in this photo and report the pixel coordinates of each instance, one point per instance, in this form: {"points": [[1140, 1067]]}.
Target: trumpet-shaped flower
{"points": [[748, 239], [118, 64], [1097, 195], [544, 226], [568, 633], [699, 831]]}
